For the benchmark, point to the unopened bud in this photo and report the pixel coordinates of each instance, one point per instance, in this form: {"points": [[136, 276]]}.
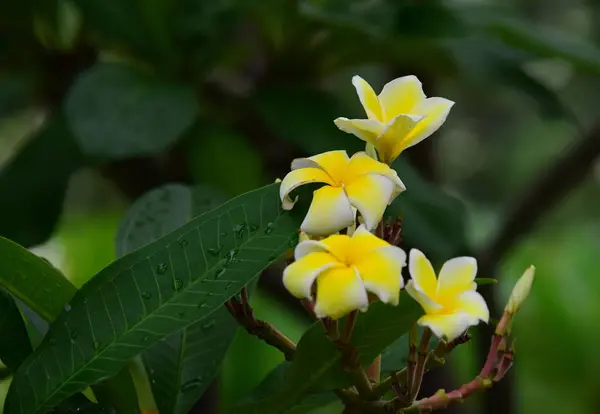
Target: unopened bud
{"points": [[371, 151], [520, 291], [278, 180]]}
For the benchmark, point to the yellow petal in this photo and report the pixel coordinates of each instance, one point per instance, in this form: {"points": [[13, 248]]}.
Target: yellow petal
{"points": [[457, 276], [365, 129], [306, 247], [448, 326], [473, 304], [390, 143], [298, 277], [422, 273], [363, 241], [296, 178], [339, 291], [367, 97], [426, 302], [334, 163], [435, 111], [381, 272], [370, 194], [338, 245], [400, 96], [329, 212], [361, 163]]}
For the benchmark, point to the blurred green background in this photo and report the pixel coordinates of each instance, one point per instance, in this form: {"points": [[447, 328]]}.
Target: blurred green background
{"points": [[103, 100]]}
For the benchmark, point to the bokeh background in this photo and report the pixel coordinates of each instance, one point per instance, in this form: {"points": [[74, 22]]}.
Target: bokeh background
{"points": [[103, 100]]}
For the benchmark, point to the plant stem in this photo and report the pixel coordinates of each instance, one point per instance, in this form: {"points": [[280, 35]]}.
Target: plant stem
{"points": [[243, 314], [374, 370], [411, 361], [422, 355]]}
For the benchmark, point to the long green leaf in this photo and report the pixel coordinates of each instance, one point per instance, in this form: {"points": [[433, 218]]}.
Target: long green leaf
{"points": [[182, 365], [159, 289], [316, 366], [33, 280], [119, 392], [14, 341]]}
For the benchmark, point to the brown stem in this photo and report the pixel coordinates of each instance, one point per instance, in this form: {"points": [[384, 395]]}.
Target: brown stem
{"points": [[374, 370], [411, 360], [242, 313], [422, 356]]}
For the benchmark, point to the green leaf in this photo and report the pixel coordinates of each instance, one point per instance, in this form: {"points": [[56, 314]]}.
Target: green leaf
{"points": [[33, 201], [33, 280], [118, 112], [146, 28], [432, 220], [182, 365], [119, 392], [545, 42], [14, 341], [316, 365], [306, 119], [181, 278]]}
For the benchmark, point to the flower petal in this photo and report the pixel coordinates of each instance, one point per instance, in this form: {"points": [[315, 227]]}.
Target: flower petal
{"points": [[435, 111], [365, 129], [370, 194], [338, 245], [339, 291], [363, 241], [390, 142], [361, 163], [426, 302], [381, 272], [298, 277], [367, 97], [473, 304], [334, 163], [400, 96], [307, 247], [329, 212], [457, 276], [448, 326], [422, 273], [296, 178]]}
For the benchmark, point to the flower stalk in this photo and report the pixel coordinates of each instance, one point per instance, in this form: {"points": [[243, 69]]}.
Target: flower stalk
{"points": [[244, 315], [422, 356]]}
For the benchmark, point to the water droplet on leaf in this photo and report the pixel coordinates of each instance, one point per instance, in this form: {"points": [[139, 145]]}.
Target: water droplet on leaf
{"points": [[223, 234], [192, 384], [68, 307], [74, 334], [177, 284], [231, 257], [52, 341], [253, 227], [220, 273], [146, 295], [183, 243], [161, 269], [209, 325], [97, 345], [214, 251], [269, 229]]}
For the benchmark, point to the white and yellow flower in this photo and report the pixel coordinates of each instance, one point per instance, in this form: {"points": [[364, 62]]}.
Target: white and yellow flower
{"points": [[450, 302], [360, 182], [398, 118], [342, 269]]}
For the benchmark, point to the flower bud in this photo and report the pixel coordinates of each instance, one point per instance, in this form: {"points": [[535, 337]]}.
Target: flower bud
{"points": [[520, 291]]}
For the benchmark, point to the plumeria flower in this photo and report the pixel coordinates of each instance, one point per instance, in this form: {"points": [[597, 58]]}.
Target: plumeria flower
{"points": [[398, 118], [342, 269], [450, 301], [360, 182]]}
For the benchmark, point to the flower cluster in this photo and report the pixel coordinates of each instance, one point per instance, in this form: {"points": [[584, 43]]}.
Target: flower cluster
{"points": [[343, 272]]}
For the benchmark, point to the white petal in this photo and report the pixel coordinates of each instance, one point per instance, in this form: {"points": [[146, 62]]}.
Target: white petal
{"points": [[295, 179], [329, 212]]}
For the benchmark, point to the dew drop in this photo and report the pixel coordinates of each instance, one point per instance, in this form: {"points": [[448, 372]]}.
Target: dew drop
{"points": [[74, 334], [146, 295], [231, 257], [223, 234], [161, 269], [239, 230], [97, 345], [68, 307], [214, 251], [191, 385], [209, 325], [145, 338], [269, 229], [253, 227], [293, 242], [177, 284], [203, 305], [229, 285], [220, 273], [52, 341], [183, 243]]}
